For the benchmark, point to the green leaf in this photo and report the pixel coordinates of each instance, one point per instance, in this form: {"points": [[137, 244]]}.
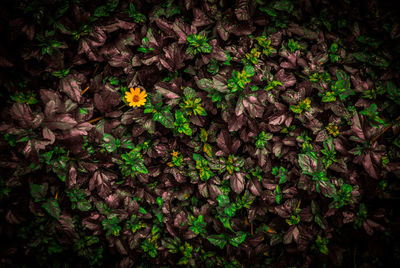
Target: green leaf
{"points": [[284, 5], [142, 210], [236, 241], [378, 61], [249, 70], [296, 109], [361, 56], [199, 111], [329, 97], [217, 240], [334, 48], [84, 205], [38, 191], [207, 149], [52, 207], [165, 118], [223, 200]]}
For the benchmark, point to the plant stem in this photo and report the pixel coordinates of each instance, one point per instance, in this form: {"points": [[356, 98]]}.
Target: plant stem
{"points": [[96, 119], [386, 129], [86, 89]]}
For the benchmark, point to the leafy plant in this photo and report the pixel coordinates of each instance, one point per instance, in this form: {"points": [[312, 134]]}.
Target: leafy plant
{"points": [[253, 56], [106, 10], [239, 80], [84, 247], [198, 226], [61, 73], [78, 200], [136, 15], [329, 153], [134, 224], [110, 225], [28, 97], [262, 139], [132, 163], [56, 160], [343, 196], [272, 84], [333, 56], [321, 245], [281, 173], [222, 239], [294, 45], [333, 130], [265, 44], [372, 114], [213, 66], [145, 46], [202, 166], [340, 88], [181, 123], [191, 104]]}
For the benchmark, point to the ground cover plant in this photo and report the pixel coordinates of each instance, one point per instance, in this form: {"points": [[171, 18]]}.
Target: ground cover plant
{"points": [[199, 133]]}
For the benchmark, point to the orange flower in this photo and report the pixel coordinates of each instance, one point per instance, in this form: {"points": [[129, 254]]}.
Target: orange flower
{"points": [[174, 153], [135, 97]]}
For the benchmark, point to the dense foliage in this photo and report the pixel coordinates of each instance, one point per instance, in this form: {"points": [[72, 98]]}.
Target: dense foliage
{"points": [[199, 133]]}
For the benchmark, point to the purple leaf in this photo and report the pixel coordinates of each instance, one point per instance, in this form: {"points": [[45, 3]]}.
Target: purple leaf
{"points": [[70, 86], [182, 30], [369, 166], [358, 125], [23, 114], [61, 121], [224, 141], [48, 134], [200, 19], [237, 182], [287, 79], [242, 10]]}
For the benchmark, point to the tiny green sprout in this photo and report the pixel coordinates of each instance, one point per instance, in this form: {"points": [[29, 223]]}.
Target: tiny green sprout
{"points": [[191, 104], [372, 114], [181, 123], [213, 66], [333, 130], [198, 226], [265, 44], [253, 56], [294, 45], [320, 77], [132, 163], [262, 139], [177, 159], [333, 53], [198, 43], [110, 225], [136, 15], [28, 97], [61, 73], [205, 172], [281, 173], [303, 105], [321, 244]]}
